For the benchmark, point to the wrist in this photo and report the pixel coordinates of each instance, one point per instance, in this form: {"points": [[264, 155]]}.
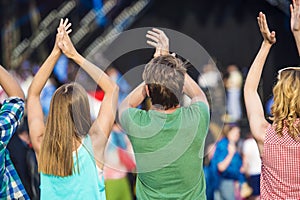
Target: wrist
{"points": [[56, 52], [231, 154], [161, 52], [296, 35], [267, 44], [77, 58]]}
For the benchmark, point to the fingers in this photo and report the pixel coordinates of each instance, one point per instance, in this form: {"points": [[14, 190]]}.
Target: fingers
{"points": [[292, 10], [61, 22], [64, 25], [151, 43], [69, 31], [152, 33], [151, 37], [66, 22], [273, 35], [265, 23], [262, 22], [259, 20], [68, 26]]}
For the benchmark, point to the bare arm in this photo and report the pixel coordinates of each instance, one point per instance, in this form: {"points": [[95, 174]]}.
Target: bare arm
{"points": [[35, 112], [254, 107], [135, 98], [295, 22], [12, 110], [102, 126], [9, 84], [192, 90], [223, 165]]}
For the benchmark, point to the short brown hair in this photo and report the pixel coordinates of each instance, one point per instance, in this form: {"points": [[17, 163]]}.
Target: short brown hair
{"points": [[164, 76]]}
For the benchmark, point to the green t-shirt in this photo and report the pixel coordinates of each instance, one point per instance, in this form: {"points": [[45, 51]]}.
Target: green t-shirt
{"points": [[169, 151]]}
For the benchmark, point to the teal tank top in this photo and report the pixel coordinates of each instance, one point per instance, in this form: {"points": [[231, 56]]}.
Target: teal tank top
{"points": [[87, 184]]}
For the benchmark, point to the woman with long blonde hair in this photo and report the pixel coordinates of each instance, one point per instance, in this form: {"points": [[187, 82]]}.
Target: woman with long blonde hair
{"points": [[279, 142], [70, 147]]}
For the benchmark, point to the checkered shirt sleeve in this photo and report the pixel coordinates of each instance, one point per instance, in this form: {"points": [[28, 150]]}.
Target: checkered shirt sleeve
{"points": [[11, 114]]}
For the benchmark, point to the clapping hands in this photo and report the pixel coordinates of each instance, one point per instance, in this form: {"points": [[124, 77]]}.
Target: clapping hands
{"points": [[63, 42]]}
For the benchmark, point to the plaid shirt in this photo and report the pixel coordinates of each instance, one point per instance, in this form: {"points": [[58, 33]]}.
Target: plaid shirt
{"points": [[280, 175], [11, 114]]}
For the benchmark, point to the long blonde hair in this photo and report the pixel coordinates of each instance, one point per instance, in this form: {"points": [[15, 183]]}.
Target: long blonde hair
{"points": [[68, 121], [286, 107]]}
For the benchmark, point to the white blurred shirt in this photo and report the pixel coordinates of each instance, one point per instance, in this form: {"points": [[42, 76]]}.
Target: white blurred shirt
{"points": [[252, 157]]}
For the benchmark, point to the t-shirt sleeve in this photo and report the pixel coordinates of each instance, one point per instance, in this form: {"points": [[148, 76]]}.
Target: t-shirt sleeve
{"points": [[129, 117], [11, 114]]}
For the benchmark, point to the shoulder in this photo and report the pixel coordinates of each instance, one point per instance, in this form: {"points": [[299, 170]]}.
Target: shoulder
{"points": [[133, 115], [198, 106], [197, 110], [133, 112]]}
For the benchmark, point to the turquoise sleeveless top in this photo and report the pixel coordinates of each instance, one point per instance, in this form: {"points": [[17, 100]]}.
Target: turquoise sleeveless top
{"points": [[87, 184]]}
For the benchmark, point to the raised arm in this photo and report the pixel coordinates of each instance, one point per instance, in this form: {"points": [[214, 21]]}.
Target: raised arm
{"points": [[254, 107], [10, 85], [192, 90], [35, 112], [134, 99], [12, 110], [102, 126], [295, 22]]}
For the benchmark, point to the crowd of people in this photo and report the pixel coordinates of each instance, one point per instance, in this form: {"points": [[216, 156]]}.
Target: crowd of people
{"points": [[73, 154]]}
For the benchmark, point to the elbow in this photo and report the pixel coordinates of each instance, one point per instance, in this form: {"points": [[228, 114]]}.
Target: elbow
{"points": [[31, 92], [221, 168], [21, 94]]}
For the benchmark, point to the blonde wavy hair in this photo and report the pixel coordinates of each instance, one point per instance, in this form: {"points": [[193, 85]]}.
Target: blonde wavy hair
{"points": [[286, 107]]}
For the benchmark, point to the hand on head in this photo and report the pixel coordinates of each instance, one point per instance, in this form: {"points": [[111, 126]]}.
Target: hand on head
{"points": [[269, 37]]}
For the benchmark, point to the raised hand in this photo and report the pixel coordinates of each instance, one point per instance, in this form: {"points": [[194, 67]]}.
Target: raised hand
{"points": [[64, 41], [159, 40], [295, 16], [269, 37], [59, 35]]}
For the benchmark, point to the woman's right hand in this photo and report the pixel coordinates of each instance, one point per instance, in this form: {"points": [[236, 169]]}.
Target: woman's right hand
{"points": [[269, 37], [295, 16]]}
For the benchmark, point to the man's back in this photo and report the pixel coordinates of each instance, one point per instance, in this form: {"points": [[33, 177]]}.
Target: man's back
{"points": [[169, 151]]}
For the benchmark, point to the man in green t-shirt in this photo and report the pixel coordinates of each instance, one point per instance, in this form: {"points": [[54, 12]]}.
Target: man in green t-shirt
{"points": [[168, 140]]}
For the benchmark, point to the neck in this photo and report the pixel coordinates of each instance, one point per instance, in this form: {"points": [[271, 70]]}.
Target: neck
{"points": [[160, 108]]}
